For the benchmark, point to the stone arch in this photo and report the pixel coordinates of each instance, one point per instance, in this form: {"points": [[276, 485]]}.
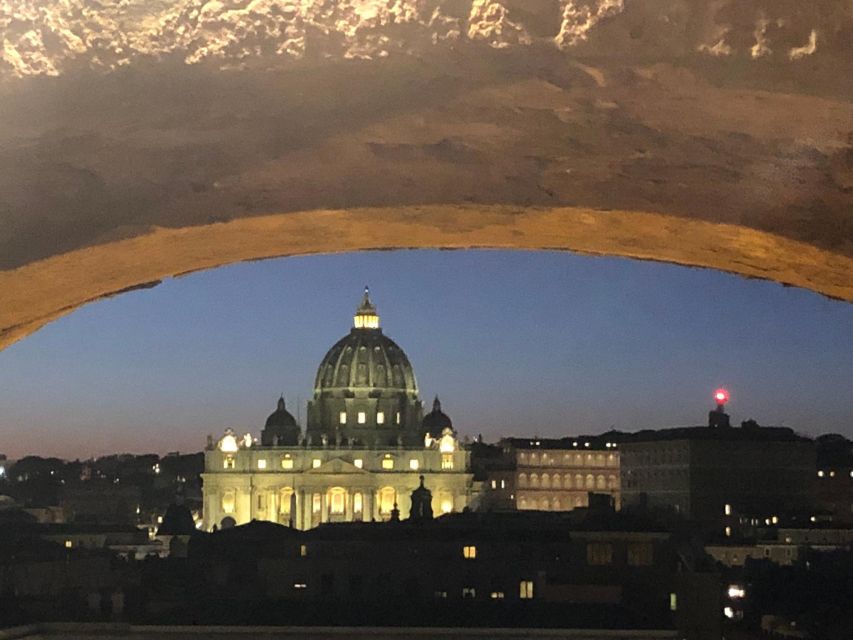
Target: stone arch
{"points": [[38, 291]]}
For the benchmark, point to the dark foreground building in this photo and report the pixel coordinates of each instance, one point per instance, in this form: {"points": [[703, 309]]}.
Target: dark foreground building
{"points": [[589, 569]]}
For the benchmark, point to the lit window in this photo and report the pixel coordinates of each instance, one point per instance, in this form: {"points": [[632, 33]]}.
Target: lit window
{"points": [[362, 417], [494, 484], [315, 463], [262, 464], [599, 553], [503, 484], [287, 462], [440, 595], [343, 417], [497, 595], [414, 464], [303, 550], [316, 503], [387, 499], [820, 474], [728, 509], [68, 544], [728, 532], [228, 463], [300, 585], [673, 602], [469, 552], [397, 419], [525, 589], [357, 505], [640, 554], [447, 461], [359, 463], [387, 462], [832, 474], [380, 417], [469, 592], [228, 502], [446, 505], [338, 499]]}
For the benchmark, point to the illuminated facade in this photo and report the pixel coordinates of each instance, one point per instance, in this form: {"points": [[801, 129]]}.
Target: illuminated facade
{"points": [[546, 474], [365, 448]]}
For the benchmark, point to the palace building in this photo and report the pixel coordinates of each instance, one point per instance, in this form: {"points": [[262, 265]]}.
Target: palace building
{"points": [[365, 448]]}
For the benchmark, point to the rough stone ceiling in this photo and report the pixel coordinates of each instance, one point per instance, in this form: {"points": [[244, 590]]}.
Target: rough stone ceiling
{"points": [[140, 139]]}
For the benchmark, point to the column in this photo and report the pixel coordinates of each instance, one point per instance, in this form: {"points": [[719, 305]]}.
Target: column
{"points": [[324, 507], [348, 506]]}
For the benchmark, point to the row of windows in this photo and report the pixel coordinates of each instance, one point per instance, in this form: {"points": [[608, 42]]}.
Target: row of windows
{"points": [[639, 554], [361, 417], [388, 463], [569, 459], [556, 481], [555, 504], [337, 498]]}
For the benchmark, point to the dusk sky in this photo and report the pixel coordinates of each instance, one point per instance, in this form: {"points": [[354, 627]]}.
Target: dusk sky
{"points": [[514, 343]]}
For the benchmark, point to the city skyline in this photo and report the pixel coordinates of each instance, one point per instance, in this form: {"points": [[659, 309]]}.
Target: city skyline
{"points": [[514, 343]]}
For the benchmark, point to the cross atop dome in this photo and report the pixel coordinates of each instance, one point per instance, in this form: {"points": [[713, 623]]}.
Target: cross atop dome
{"points": [[365, 316]]}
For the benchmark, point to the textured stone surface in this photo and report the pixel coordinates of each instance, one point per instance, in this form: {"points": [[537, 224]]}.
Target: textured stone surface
{"points": [[142, 140]]}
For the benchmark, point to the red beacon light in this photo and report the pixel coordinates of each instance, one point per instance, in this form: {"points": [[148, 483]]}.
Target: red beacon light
{"points": [[721, 396]]}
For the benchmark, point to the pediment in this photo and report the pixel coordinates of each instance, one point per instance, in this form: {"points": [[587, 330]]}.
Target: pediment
{"points": [[337, 465]]}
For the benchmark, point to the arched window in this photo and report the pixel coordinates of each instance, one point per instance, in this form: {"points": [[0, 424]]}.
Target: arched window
{"points": [[556, 481], [567, 459], [534, 458], [567, 481], [612, 482], [590, 481], [599, 459], [522, 503], [578, 481], [229, 501], [522, 458], [578, 459], [546, 481], [534, 480], [337, 500], [543, 504], [556, 504], [600, 482], [522, 480], [578, 502], [387, 496]]}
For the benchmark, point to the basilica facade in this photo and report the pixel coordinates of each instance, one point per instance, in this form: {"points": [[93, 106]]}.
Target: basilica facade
{"points": [[366, 447]]}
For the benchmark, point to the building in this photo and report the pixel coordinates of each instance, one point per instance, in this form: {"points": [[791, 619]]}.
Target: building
{"points": [[835, 476], [591, 568], [366, 444], [549, 474], [719, 473]]}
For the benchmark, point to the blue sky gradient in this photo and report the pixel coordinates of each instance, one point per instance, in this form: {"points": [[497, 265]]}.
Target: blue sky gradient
{"points": [[518, 343]]}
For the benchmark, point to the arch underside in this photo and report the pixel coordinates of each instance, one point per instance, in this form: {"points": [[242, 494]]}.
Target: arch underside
{"points": [[42, 291], [110, 182]]}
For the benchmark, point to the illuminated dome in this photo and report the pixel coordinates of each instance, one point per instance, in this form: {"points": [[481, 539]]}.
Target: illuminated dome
{"points": [[366, 359], [365, 390]]}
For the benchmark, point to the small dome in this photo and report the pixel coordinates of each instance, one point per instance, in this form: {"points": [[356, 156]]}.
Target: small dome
{"points": [[281, 428], [281, 417], [436, 420]]}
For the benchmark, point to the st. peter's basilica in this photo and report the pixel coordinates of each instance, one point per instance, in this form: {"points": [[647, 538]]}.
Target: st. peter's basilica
{"points": [[366, 446]]}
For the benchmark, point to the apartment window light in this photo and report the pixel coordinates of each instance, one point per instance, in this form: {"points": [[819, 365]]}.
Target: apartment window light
{"points": [[469, 552], [342, 418], [358, 463], [380, 417], [414, 464], [362, 417], [315, 463], [525, 589]]}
